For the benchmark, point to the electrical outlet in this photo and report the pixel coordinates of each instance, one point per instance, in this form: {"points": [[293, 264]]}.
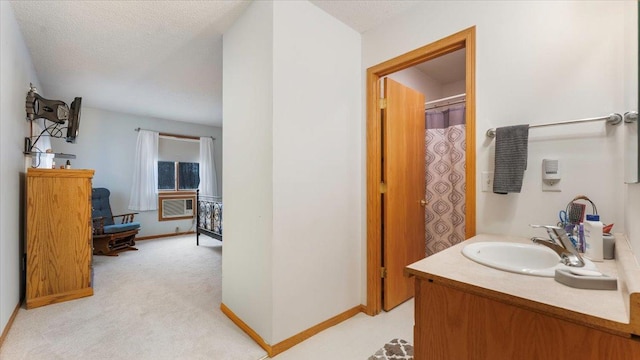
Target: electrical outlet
{"points": [[487, 181], [551, 185]]}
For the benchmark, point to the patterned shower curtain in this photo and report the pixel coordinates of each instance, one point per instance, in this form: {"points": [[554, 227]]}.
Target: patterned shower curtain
{"points": [[445, 178]]}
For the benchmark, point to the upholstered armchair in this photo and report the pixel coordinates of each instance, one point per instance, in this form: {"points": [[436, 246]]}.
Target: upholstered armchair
{"points": [[111, 233]]}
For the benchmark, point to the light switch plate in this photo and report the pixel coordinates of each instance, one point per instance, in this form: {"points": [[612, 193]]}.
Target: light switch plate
{"points": [[487, 181]]}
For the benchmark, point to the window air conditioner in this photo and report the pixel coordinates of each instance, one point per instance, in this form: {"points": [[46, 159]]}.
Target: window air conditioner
{"points": [[172, 208]]}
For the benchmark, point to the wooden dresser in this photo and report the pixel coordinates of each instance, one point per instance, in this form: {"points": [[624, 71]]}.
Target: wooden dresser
{"points": [[58, 236]]}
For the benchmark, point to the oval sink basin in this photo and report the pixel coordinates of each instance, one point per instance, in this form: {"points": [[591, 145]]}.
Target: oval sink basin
{"points": [[529, 259]]}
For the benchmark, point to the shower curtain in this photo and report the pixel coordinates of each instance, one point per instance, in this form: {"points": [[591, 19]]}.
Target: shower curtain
{"points": [[445, 178]]}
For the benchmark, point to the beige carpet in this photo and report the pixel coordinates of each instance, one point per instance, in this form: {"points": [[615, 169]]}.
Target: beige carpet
{"points": [[161, 302]]}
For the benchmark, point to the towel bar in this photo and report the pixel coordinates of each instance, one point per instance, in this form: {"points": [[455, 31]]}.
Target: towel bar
{"points": [[613, 119]]}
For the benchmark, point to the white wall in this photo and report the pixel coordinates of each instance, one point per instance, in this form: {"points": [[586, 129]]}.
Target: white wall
{"points": [[248, 173], [16, 72], [632, 198], [316, 168], [106, 143], [431, 88], [419, 81], [454, 88], [292, 195], [535, 62]]}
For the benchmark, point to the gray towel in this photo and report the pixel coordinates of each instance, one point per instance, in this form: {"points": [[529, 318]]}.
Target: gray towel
{"points": [[510, 159]]}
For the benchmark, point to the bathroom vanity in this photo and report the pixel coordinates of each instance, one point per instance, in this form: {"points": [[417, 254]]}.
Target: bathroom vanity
{"points": [[465, 310]]}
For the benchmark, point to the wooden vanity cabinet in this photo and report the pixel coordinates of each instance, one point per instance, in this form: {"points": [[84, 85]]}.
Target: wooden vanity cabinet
{"points": [[58, 236], [451, 323]]}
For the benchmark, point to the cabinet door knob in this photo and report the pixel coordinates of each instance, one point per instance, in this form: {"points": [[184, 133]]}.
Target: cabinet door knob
{"points": [[423, 202]]}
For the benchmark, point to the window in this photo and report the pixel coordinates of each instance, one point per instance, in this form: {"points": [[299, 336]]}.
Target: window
{"points": [[178, 176], [166, 175], [188, 175]]}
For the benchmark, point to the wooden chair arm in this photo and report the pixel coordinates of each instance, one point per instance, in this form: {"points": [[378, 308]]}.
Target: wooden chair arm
{"points": [[126, 218]]}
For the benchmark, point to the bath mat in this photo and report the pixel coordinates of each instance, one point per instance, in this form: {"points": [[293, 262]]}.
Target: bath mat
{"points": [[396, 349]]}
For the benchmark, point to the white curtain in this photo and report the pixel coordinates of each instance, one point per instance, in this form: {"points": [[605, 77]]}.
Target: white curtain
{"points": [[208, 183], [145, 173]]}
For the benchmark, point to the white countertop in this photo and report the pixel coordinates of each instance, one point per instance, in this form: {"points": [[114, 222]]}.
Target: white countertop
{"points": [[450, 266]]}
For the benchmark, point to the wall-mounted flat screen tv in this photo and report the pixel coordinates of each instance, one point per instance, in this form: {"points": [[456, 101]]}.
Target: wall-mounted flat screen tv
{"points": [[73, 123]]}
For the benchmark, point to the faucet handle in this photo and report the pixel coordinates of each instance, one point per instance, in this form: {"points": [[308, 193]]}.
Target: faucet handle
{"points": [[560, 237], [554, 232]]}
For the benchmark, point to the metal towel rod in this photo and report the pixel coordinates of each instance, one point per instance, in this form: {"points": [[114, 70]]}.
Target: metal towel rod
{"points": [[613, 119]]}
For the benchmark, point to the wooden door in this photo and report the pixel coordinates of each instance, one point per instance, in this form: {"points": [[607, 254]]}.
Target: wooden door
{"points": [[403, 167]]}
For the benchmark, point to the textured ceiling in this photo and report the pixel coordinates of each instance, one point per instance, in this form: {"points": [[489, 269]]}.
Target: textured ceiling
{"points": [[160, 59], [363, 15], [153, 58]]}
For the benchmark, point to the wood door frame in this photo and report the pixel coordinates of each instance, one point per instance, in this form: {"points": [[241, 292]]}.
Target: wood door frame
{"points": [[465, 39]]}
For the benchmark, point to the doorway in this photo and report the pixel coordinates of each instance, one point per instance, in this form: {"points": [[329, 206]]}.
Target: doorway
{"points": [[464, 39]]}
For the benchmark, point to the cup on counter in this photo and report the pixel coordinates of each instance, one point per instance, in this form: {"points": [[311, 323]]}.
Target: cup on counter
{"points": [[608, 246]]}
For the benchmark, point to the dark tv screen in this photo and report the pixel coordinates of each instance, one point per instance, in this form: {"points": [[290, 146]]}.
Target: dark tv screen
{"points": [[74, 120]]}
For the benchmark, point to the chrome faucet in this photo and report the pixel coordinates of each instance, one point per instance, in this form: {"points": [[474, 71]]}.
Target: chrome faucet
{"points": [[560, 243]]}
